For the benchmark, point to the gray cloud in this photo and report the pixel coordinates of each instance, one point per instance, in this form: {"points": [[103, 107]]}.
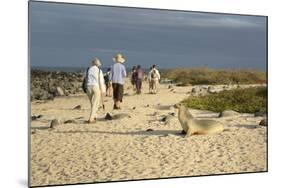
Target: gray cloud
{"points": [[67, 34]]}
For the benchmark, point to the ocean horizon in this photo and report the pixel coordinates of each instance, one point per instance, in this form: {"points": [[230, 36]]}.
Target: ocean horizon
{"points": [[75, 69], [128, 69]]}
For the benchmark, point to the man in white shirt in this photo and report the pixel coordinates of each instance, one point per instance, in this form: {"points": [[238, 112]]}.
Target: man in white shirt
{"points": [[149, 80], [95, 88], [154, 77]]}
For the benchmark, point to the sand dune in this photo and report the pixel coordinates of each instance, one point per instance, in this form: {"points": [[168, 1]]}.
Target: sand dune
{"points": [[140, 145]]}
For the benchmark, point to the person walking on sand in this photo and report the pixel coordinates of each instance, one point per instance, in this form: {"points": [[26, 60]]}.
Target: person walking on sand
{"points": [[108, 83], [154, 77], [139, 75], [149, 80], [95, 88], [133, 77], [118, 74]]}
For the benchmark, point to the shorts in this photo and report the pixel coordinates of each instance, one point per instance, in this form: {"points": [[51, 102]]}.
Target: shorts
{"points": [[118, 90]]}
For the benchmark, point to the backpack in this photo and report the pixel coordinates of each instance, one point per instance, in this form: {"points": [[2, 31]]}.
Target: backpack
{"points": [[153, 74], [106, 77], [84, 83]]}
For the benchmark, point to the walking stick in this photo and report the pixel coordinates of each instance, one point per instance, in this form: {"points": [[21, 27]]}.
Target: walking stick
{"points": [[102, 102]]}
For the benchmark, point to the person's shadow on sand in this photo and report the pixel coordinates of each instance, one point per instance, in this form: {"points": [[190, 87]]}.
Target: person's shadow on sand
{"points": [[135, 133]]}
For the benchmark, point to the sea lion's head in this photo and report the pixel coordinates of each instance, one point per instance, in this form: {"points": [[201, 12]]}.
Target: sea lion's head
{"points": [[178, 106]]}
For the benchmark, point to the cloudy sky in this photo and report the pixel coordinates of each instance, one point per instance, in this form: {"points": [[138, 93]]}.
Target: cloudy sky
{"points": [[65, 35]]}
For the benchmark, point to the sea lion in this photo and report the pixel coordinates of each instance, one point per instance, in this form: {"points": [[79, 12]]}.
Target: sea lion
{"points": [[192, 126]]}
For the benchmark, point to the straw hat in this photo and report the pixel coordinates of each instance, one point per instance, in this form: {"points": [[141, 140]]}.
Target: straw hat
{"points": [[96, 62], [119, 58]]}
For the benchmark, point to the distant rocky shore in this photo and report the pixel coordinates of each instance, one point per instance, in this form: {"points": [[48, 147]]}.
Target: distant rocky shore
{"points": [[46, 85]]}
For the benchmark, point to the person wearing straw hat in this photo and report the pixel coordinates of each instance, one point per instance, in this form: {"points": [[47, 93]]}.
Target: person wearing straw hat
{"points": [[95, 88], [118, 74]]}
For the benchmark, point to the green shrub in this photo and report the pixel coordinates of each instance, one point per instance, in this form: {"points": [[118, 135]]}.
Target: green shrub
{"points": [[248, 100], [210, 76]]}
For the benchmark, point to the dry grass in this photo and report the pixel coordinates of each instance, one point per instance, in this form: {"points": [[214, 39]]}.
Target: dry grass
{"points": [[196, 76]]}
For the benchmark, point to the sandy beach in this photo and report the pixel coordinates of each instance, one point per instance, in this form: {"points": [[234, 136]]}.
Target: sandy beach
{"points": [[142, 142]]}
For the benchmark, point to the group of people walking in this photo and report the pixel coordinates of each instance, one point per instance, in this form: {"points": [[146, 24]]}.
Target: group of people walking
{"points": [[137, 77], [99, 85]]}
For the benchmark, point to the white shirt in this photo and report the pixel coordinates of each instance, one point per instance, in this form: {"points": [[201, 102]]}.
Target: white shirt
{"points": [[94, 77], [157, 74]]}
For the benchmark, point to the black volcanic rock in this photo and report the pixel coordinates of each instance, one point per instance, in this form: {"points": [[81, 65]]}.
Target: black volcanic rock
{"points": [[78, 107], [44, 84], [263, 122], [108, 116]]}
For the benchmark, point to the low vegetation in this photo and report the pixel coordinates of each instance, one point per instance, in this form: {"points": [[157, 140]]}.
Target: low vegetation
{"points": [[248, 100], [198, 76]]}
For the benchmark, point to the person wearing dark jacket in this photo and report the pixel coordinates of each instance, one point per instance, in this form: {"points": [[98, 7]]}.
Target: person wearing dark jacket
{"points": [[139, 77]]}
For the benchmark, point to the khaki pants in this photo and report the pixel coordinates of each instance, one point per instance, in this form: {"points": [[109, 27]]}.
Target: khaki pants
{"points": [[94, 95], [139, 85], [150, 86], [154, 84]]}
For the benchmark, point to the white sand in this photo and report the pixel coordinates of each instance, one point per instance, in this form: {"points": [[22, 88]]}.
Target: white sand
{"points": [[122, 149]]}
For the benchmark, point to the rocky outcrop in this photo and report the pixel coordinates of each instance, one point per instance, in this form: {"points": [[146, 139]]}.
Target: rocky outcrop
{"points": [[46, 85]]}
